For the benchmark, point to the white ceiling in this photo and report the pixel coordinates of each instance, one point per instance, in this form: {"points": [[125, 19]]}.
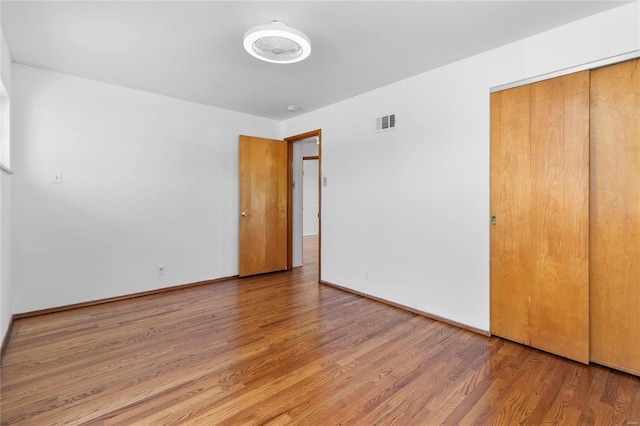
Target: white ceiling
{"points": [[193, 50]]}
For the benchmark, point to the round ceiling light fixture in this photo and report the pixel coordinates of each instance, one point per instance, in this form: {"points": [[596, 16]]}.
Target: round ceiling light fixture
{"points": [[277, 42]]}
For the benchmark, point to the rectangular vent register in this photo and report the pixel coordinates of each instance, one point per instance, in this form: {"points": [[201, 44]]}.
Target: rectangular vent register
{"points": [[386, 122]]}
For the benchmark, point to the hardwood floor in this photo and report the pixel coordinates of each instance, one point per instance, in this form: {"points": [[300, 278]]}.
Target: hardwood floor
{"points": [[281, 349]]}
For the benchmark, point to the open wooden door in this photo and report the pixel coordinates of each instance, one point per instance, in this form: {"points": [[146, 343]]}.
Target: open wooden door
{"points": [[263, 205]]}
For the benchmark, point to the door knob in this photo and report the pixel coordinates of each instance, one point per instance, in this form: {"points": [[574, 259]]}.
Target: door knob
{"points": [[244, 214]]}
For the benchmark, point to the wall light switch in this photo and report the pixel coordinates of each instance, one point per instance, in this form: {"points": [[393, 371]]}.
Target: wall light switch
{"points": [[57, 177], [324, 181]]}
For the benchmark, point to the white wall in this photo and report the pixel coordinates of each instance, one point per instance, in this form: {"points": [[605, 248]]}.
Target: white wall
{"points": [[146, 180], [310, 197], [411, 205], [5, 206]]}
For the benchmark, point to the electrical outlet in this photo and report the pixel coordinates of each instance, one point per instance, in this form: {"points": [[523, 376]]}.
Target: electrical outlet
{"points": [[160, 269], [366, 275]]}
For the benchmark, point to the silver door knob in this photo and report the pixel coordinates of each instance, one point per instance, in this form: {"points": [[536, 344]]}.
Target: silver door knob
{"points": [[244, 214]]}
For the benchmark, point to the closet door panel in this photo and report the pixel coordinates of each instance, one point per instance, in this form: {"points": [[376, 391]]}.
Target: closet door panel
{"points": [[539, 195], [511, 267], [559, 316], [615, 216]]}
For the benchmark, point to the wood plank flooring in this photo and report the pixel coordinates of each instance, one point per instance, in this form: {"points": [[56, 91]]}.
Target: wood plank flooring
{"points": [[281, 349]]}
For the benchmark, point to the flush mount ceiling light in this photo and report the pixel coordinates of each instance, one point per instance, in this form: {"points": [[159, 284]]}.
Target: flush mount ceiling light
{"points": [[277, 42]]}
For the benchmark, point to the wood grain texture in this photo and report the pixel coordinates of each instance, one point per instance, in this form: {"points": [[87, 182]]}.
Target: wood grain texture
{"points": [[5, 339], [280, 349], [263, 196], [510, 264], [615, 216], [540, 196], [559, 315]]}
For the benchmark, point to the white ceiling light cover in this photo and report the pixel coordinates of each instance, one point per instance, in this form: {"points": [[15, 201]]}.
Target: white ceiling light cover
{"points": [[277, 42]]}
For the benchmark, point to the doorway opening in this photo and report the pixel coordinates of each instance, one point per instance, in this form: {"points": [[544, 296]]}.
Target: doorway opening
{"points": [[304, 225]]}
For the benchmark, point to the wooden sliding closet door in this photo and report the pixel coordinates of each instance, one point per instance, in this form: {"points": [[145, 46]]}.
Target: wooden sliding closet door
{"points": [[540, 197], [615, 216], [511, 264]]}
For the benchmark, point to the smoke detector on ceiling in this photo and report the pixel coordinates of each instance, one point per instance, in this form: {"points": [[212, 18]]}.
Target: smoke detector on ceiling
{"points": [[277, 42]]}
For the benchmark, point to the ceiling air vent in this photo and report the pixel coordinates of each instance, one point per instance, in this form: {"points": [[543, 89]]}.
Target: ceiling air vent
{"points": [[386, 122]]}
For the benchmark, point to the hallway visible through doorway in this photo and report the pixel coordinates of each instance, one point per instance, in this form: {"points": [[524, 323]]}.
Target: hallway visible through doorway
{"points": [[310, 247]]}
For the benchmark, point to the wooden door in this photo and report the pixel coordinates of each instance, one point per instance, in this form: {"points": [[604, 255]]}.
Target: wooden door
{"points": [[263, 205], [615, 216], [540, 196], [510, 262]]}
